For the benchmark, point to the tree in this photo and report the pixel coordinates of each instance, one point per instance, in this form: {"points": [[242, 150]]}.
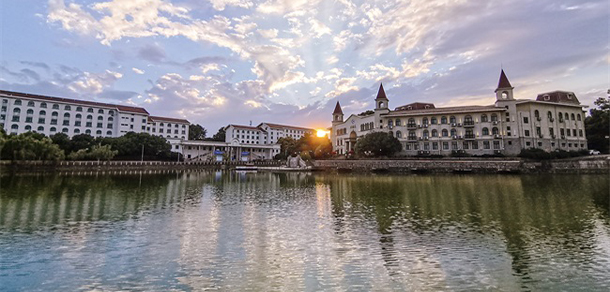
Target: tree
{"points": [[100, 152], [289, 145], [378, 144], [30, 146], [197, 132], [220, 135], [597, 126], [81, 141]]}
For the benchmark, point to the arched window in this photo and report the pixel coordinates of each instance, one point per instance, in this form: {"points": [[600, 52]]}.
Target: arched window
{"points": [[67, 107], [109, 133], [64, 130], [397, 122], [504, 95], [40, 129], [362, 127], [433, 121], [426, 133], [30, 103], [453, 132], [536, 113], [573, 119], [98, 132], [445, 133], [78, 116], [468, 119], [494, 131], [88, 132], [28, 128], [17, 102], [43, 105], [424, 121], [443, 120], [16, 111], [89, 117], [390, 123], [560, 117], [469, 133], [412, 135], [485, 131], [101, 111], [484, 118], [76, 131], [411, 122], [42, 113], [434, 133], [66, 115], [79, 108], [452, 119], [15, 127], [578, 117], [494, 117], [380, 106], [110, 119], [100, 118], [54, 114], [30, 112], [53, 129], [55, 106], [90, 110], [549, 115], [398, 134]]}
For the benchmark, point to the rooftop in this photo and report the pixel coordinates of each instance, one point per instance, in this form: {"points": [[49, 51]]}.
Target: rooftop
{"points": [[165, 119]]}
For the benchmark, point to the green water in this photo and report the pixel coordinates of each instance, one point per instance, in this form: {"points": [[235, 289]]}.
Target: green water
{"points": [[228, 231]]}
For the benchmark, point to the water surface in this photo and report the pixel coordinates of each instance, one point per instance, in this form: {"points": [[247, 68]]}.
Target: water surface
{"points": [[230, 231]]}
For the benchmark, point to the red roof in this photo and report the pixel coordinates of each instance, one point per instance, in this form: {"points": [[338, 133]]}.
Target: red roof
{"points": [[122, 108], [381, 93], [415, 106], [285, 126], [558, 96], [503, 82], [164, 119], [245, 127], [338, 109]]}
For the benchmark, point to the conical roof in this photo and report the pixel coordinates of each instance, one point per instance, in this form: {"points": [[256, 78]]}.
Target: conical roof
{"points": [[381, 93], [338, 109], [504, 83]]}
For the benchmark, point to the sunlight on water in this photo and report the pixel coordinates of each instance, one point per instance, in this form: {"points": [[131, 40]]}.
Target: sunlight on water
{"points": [[299, 231]]}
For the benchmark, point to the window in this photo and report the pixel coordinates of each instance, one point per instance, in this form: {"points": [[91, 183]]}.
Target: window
{"points": [[88, 125], [89, 117], [485, 131], [494, 131], [67, 108], [28, 128], [43, 105], [560, 116], [79, 109], [536, 114], [17, 102], [475, 145], [573, 119], [78, 116], [443, 120], [66, 123], [110, 119], [486, 145], [15, 128], [426, 134], [398, 134], [41, 120], [580, 133], [100, 118], [550, 115], [77, 123], [445, 145], [539, 132], [109, 126], [424, 121], [453, 132], [578, 117], [109, 133], [53, 129], [452, 119], [433, 121], [468, 120], [397, 123], [98, 132], [16, 111], [99, 125], [574, 132], [483, 118], [56, 106], [568, 132], [76, 131], [88, 132], [496, 145], [100, 111], [434, 145], [54, 114], [29, 112], [42, 113], [434, 133], [64, 130], [31, 103], [66, 115], [551, 132], [494, 117], [90, 110], [40, 129], [445, 133], [526, 120]]}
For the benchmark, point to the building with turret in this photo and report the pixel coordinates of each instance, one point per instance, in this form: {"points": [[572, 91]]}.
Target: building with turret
{"points": [[553, 121]]}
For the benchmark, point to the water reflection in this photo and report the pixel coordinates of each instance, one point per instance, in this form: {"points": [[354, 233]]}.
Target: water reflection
{"points": [[300, 231]]}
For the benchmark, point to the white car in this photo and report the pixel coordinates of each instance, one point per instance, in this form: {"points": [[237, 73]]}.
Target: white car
{"points": [[594, 152]]}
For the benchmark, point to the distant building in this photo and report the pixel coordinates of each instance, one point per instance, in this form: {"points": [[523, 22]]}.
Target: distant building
{"points": [[555, 120]]}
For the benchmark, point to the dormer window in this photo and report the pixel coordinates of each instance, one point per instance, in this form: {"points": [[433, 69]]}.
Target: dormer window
{"points": [[409, 108], [504, 95], [427, 107], [569, 96], [546, 97]]}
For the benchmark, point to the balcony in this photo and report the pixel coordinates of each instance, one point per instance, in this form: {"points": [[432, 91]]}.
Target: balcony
{"points": [[411, 126], [412, 138], [469, 136], [468, 124]]}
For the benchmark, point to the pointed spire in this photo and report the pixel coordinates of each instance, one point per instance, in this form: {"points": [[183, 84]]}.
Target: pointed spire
{"points": [[381, 93], [504, 83], [338, 109]]}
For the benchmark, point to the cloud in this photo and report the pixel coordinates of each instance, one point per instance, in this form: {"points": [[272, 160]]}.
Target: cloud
{"points": [[152, 53], [93, 83], [137, 71]]}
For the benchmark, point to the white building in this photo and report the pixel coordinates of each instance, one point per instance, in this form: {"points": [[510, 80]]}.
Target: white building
{"points": [[264, 133], [554, 121]]}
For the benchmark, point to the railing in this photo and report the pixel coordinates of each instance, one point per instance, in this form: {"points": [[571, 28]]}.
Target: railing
{"points": [[411, 126], [468, 123], [467, 136]]}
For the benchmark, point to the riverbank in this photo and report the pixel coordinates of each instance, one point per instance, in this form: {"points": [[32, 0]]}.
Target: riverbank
{"points": [[589, 164], [71, 166]]}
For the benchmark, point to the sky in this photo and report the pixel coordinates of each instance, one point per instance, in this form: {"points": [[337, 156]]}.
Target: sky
{"points": [[219, 62]]}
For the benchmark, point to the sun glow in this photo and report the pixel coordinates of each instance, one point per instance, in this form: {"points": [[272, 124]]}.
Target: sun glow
{"points": [[322, 133]]}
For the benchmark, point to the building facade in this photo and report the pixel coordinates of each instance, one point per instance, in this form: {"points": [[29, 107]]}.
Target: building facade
{"points": [[554, 120], [264, 133]]}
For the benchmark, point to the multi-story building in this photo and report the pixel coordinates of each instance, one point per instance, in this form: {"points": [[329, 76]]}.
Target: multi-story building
{"points": [[264, 133], [555, 120]]}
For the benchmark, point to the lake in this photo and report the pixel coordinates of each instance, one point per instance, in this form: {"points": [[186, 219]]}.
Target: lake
{"points": [[231, 231]]}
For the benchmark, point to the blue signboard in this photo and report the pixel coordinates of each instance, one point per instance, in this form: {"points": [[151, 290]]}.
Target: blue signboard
{"points": [[245, 153], [218, 152]]}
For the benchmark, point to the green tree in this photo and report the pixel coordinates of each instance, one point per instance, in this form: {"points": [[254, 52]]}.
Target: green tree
{"points": [[597, 126], [378, 144], [220, 135], [197, 132], [30, 146], [81, 141], [105, 152], [63, 141], [289, 145]]}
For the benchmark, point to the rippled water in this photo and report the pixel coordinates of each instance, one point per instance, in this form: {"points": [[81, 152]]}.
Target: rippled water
{"points": [[290, 232]]}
